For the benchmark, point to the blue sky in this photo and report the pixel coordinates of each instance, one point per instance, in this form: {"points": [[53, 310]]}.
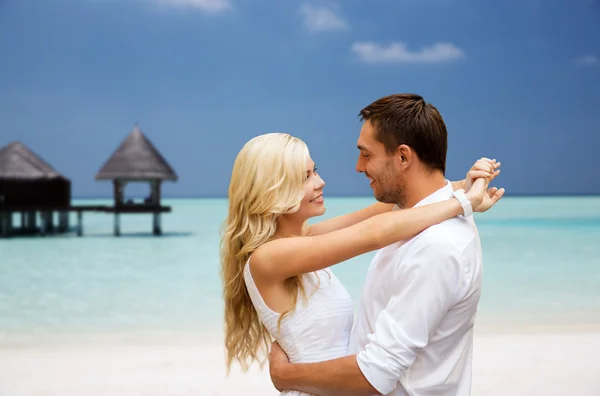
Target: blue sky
{"points": [[516, 80]]}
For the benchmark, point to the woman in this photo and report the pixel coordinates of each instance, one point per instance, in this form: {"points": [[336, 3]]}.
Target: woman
{"points": [[277, 284]]}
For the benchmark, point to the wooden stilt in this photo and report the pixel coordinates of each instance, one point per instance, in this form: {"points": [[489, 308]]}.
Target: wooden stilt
{"points": [[155, 192], [156, 227], [63, 221], [31, 221], [50, 223], [117, 224], [43, 223], [9, 222], [118, 191], [79, 223], [5, 224]]}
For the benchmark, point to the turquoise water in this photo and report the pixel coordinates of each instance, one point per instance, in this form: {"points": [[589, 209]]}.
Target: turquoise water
{"points": [[542, 269]]}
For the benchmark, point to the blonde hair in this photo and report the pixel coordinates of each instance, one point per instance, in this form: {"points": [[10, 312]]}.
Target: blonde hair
{"points": [[267, 182]]}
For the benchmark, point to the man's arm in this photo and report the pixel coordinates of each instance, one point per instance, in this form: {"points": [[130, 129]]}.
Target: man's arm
{"points": [[423, 294], [330, 378]]}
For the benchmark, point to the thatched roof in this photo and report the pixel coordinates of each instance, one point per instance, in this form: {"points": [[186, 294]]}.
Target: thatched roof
{"points": [[20, 163], [136, 159]]}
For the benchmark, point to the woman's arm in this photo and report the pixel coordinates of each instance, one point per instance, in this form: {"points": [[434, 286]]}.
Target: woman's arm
{"points": [[457, 185], [349, 219], [479, 169], [283, 258]]}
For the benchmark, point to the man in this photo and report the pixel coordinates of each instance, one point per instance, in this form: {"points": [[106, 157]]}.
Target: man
{"points": [[414, 332]]}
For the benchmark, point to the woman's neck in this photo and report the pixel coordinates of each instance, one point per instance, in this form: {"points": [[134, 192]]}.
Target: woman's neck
{"points": [[287, 228]]}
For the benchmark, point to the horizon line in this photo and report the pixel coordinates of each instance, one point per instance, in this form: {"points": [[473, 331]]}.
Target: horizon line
{"points": [[346, 196]]}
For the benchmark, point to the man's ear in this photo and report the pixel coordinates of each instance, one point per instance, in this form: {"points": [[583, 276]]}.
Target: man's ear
{"points": [[404, 156]]}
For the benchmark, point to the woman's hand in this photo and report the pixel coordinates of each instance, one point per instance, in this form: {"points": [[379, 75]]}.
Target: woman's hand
{"points": [[483, 167]]}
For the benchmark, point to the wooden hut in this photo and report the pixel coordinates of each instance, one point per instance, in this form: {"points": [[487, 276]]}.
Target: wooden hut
{"points": [[29, 185], [137, 160]]}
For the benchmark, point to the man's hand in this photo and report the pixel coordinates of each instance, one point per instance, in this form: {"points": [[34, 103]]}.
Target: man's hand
{"points": [[482, 198], [277, 361], [490, 197]]}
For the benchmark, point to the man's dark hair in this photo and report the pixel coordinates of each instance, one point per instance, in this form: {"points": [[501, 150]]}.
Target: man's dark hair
{"points": [[407, 119]]}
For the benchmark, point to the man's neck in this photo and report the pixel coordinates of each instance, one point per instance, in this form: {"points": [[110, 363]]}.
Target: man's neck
{"points": [[423, 185]]}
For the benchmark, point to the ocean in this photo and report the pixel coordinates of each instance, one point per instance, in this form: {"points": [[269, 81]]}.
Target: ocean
{"points": [[541, 259]]}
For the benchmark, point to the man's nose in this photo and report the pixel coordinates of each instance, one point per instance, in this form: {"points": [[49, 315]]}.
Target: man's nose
{"points": [[359, 165]]}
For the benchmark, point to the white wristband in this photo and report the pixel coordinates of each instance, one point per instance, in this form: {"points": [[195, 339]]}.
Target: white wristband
{"points": [[464, 202]]}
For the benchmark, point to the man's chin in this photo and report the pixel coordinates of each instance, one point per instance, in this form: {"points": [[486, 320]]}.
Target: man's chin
{"points": [[376, 193], [383, 199]]}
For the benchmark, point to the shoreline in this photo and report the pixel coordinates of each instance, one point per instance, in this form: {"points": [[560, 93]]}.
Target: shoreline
{"points": [[192, 334], [516, 364]]}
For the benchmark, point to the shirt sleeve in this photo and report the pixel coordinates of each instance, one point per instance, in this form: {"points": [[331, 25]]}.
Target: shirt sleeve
{"points": [[423, 293]]}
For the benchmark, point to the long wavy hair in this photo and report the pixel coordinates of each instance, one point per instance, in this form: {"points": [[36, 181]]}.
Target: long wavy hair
{"points": [[267, 182]]}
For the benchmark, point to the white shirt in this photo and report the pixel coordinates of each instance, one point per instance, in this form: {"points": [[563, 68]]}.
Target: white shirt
{"points": [[414, 332]]}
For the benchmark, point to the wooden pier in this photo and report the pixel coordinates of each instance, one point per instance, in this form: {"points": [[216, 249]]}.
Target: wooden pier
{"points": [[47, 216], [32, 189]]}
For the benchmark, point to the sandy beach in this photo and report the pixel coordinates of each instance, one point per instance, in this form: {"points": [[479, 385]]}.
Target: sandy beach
{"points": [[505, 364]]}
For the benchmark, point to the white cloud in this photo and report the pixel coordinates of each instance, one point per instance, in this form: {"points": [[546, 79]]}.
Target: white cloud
{"points": [[588, 60], [318, 19], [397, 52], [209, 6]]}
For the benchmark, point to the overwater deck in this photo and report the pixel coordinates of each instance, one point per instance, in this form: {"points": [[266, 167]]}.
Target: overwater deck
{"points": [[29, 218]]}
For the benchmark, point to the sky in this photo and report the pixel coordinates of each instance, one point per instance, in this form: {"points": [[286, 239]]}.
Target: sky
{"points": [[515, 80]]}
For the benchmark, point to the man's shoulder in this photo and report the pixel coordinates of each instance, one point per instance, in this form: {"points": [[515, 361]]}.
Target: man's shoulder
{"points": [[451, 237], [456, 233], [452, 231]]}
